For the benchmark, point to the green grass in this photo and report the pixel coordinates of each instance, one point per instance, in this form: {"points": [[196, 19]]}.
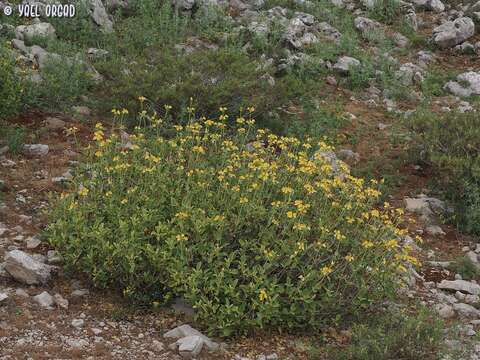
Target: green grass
{"points": [[395, 335], [12, 136], [466, 268]]}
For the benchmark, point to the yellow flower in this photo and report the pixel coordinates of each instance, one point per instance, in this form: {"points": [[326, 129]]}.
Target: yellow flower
{"points": [[181, 215], [367, 244], [83, 191], [349, 258], [263, 295], [243, 200], [181, 237], [291, 214], [301, 227], [142, 98], [124, 201], [287, 190], [326, 270], [198, 149], [108, 194]]}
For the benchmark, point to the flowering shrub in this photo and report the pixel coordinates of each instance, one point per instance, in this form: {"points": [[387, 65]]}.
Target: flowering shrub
{"points": [[252, 229]]}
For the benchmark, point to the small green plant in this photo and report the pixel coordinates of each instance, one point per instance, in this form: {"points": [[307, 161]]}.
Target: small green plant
{"points": [[13, 137], [394, 335], [64, 81], [466, 268], [12, 85], [450, 143], [386, 11], [252, 229]]}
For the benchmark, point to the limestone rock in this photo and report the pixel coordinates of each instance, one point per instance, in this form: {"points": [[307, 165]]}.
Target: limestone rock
{"points": [[36, 149], [99, 15], [24, 268], [345, 64], [467, 84], [453, 33], [30, 32], [466, 311], [45, 300], [460, 285]]}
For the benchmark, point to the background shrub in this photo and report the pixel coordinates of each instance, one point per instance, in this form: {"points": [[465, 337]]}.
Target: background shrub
{"points": [[394, 335], [451, 143], [11, 85]]}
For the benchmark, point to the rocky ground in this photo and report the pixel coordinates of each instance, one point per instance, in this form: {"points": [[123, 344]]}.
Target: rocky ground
{"points": [[46, 313]]}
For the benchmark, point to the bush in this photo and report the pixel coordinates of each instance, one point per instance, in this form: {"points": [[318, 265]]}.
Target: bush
{"points": [[11, 86], [64, 81], [451, 143], [12, 136], [252, 229], [465, 267], [394, 335]]}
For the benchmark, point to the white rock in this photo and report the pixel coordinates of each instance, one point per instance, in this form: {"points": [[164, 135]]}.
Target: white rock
{"points": [[190, 346], [466, 311], [445, 311], [187, 330], [21, 292], [24, 268], [99, 15], [33, 242], [35, 149], [434, 230], [45, 300], [29, 32], [435, 5], [452, 33], [3, 297], [345, 64], [61, 301], [467, 84], [78, 323], [460, 285], [53, 257]]}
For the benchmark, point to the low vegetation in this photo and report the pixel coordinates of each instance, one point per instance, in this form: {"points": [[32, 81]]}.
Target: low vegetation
{"points": [[395, 334], [451, 144]]}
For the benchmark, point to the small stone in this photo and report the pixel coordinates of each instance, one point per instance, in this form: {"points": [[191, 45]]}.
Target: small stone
{"points": [[36, 149], [82, 110], [45, 300], [33, 243], [54, 123], [78, 323], [157, 346], [61, 301], [345, 65], [434, 230], [445, 311], [190, 346], [97, 331], [21, 292], [53, 257], [3, 297], [80, 292]]}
